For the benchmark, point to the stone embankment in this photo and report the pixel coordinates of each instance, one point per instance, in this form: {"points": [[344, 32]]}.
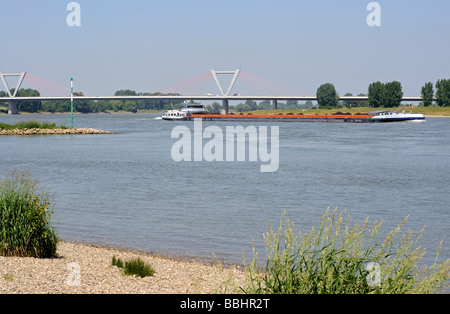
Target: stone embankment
{"points": [[25, 132]]}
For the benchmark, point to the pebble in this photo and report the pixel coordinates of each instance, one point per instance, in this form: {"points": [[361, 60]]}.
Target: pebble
{"points": [[87, 269]]}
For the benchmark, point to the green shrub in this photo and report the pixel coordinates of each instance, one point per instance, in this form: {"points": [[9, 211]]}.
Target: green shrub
{"points": [[136, 267], [25, 212], [339, 259]]}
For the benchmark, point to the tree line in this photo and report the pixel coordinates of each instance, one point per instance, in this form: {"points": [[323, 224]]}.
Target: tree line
{"points": [[386, 95], [94, 106]]}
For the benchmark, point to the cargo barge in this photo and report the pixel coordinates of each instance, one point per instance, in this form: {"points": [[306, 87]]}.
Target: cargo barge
{"points": [[353, 118], [198, 112]]}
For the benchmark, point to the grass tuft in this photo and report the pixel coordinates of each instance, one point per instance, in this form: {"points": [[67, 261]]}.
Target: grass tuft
{"points": [[135, 267]]}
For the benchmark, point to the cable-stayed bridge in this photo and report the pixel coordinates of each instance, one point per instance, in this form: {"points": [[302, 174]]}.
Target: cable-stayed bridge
{"points": [[189, 89]]}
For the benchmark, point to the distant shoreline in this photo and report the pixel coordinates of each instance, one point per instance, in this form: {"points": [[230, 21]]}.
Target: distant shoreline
{"points": [[127, 112], [433, 111]]}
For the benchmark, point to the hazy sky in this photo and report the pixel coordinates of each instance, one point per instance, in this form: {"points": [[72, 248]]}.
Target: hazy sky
{"points": [[149, 45]]}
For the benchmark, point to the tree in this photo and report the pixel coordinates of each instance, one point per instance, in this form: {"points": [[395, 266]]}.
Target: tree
{"points": [[385, 95], [242, 107], [27, 105], [376, 94], [292, 104], [125, 92], [216, 107], [392, 94], [327, 95], [81, 105], [350, 103], [443, 92], [308, 105], [264, 105], [252, 104], [130, 106], [427, 94], [363, 103]]}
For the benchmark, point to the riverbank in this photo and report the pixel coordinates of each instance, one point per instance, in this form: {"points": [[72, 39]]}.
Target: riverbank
{"points": [[98, 276], [57, 131]]}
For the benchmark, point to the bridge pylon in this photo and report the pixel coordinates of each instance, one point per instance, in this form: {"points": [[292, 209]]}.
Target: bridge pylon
{"points": [[12, 105], [219, 85]]}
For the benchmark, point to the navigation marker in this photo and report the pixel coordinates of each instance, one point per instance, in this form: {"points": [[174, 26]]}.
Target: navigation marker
{"points": [[71, 101]]}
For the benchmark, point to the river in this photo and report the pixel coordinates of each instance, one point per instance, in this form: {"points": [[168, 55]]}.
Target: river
{"points": [[126, 191]]}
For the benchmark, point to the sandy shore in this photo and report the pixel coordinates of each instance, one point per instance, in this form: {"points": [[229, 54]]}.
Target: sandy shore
{"points": [[86, 269]]}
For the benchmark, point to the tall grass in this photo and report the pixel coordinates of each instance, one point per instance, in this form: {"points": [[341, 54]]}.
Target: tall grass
{"points": [[31, 125], [25, 218], [340, 259]]}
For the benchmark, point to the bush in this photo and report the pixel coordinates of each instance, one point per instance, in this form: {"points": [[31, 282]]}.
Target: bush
{"points": [[339, 259], [25, 212], [136, 267]]}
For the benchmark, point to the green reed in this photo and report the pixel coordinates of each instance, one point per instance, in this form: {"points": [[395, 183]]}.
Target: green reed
{"points": [[340, 259], [25, 218]]}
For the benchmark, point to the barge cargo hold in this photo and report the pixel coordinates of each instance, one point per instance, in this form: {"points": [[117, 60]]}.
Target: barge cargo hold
{"points": [[353, 118]]}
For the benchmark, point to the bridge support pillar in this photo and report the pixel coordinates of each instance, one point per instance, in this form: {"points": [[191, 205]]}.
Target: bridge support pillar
{"points": [[225, 106], [12, 107], [275, 104]]}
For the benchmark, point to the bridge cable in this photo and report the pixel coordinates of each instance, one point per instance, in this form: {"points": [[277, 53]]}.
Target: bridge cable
{"points": [[263, 85], [37, 87], [205, 78], [208, 78], [65, 90], [255, 84], [278, 86], [40, 85], [248, 84]]}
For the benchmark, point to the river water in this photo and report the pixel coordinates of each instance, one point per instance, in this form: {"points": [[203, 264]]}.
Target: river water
{"points": [[125, 190]]}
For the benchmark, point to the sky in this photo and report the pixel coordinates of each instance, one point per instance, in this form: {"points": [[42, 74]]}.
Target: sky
{"points": [[150, 45]]}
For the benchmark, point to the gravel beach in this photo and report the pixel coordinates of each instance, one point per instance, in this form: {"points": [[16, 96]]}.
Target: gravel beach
{"points": [[25, 132], [87, 269]]}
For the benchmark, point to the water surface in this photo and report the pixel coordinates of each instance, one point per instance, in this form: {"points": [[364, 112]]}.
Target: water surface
{"points": [[124, 190]]}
